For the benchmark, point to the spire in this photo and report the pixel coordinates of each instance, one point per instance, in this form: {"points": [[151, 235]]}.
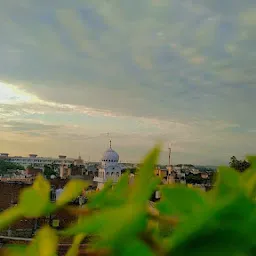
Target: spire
{"points": [[110, 146], [170, 151]]}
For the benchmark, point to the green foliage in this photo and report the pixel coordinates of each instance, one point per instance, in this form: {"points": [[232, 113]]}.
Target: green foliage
{"points": [[5, 166], [186, 221], [45, 244], [191, 201], [74, 249], [239, 165], [72, 190], [49, 171]]}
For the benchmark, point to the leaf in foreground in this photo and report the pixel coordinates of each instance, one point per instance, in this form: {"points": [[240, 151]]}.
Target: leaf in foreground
{"points": [[45, 243], [143, 187], [219, 231], [35, 201], [135, 248], [14, 250], [252, 161], [98, 199], [112, 225], [181, 201], [72, 190], [9, 216], [228, 183], [74, 249]]}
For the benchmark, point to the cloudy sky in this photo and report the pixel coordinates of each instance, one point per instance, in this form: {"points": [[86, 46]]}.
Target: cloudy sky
{"points": [[182, 71]]}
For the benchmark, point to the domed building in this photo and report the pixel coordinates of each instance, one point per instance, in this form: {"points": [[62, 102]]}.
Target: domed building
{"points": [[109, 169]]}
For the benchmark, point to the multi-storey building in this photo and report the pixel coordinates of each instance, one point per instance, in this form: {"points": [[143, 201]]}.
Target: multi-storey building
{"points": [[35, 161]]}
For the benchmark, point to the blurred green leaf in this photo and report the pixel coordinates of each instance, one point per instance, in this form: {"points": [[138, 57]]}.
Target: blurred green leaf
{"points": [[9, 216], [112, 225], [181, 201], [72, 190], [145, 183], [220, 230], [35, 201], [42, 186], [74, 249], [119, 194], [249, 182], [228, 183], [32, 204], [122, 186], [45, 243], [15, 250], [252, 161], [99, 198], [135, 248]]}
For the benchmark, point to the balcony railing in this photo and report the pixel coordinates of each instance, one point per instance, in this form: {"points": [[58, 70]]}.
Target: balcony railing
{"points": [[100, 179]]}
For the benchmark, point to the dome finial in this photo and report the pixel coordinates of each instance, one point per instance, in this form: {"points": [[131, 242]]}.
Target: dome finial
{"points": [[110, 144]]}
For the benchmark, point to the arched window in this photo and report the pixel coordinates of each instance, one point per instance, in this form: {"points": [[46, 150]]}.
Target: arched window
{"points": [[117, 174], [107, 173], [112, 173]]}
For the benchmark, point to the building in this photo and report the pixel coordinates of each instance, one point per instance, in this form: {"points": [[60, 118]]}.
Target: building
{"points": [[35, 161], [109, 168], [65, 171], [79, 162]]}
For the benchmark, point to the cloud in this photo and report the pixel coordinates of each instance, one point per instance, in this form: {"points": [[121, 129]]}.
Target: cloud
{"points": [[178, 70], [27, 126]]}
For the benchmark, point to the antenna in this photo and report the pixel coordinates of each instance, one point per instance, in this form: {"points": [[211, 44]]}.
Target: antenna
{"points": [[170, 151], [169, 169], [110, 142]]}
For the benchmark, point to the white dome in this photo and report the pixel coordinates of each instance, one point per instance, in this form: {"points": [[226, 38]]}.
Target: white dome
{"points": [[110, 156]]}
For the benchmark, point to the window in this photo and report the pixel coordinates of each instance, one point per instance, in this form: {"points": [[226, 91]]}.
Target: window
{"points": [[112, 173]]}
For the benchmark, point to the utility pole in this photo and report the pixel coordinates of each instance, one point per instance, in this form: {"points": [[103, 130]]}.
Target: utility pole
{"points": [[170, 151], [169, 163]]}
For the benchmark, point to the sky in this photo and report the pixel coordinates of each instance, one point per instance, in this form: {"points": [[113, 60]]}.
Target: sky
{"points": [[74, 74]]}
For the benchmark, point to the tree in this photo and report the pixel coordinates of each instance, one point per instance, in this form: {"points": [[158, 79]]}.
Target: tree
{"points": [[233, 162], [239, 165], [48, 171], [5, 166]]}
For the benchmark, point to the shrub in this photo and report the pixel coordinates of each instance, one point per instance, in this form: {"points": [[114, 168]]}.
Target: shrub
{"points": [[186, 221]]}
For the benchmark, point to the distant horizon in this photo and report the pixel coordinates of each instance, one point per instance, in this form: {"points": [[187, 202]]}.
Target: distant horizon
{"points": [[98, 161]]}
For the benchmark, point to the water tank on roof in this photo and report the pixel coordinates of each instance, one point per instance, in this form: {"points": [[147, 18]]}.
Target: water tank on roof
{"points": [[33, 155]]}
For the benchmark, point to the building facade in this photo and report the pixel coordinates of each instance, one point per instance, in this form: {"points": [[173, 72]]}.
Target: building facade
{"points": [[35, 161]]}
